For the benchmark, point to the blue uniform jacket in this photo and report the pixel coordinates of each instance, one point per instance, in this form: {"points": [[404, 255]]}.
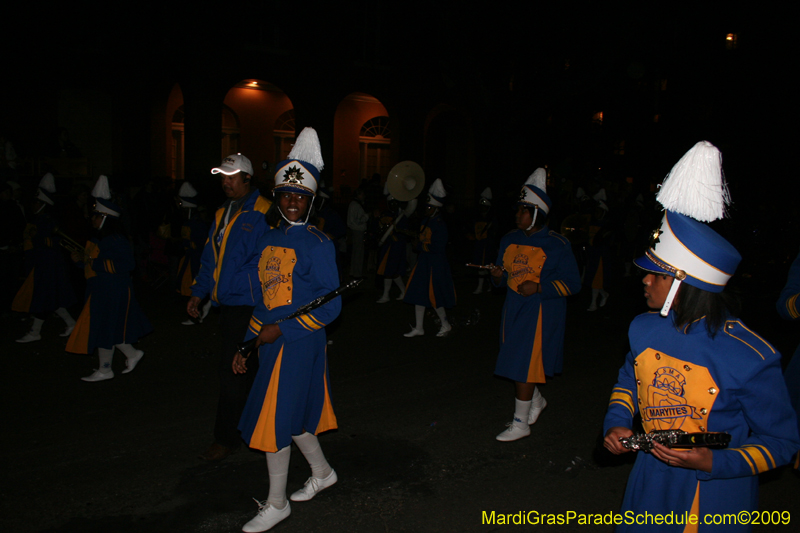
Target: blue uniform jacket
{"points": [[532, 327], [228, 273], [686, 379]]}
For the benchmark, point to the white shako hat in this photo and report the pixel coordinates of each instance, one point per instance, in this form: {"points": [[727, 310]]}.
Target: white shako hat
{"points": [[102, 195], [533, 192], [684, 247], [232, 164], [47, 189], [187, 195], [486, 197], [436, 193], [300, 172]]}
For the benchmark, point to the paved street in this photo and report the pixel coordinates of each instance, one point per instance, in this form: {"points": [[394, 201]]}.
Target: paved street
{"points": [[415, 449]]}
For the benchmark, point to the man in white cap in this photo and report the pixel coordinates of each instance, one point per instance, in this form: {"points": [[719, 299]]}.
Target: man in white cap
{"points": [[229, 276]]}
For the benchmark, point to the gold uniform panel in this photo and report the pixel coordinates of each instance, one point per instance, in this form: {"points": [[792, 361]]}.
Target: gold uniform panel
{"points": [[275, 274], [523, 263], [673, 394]]}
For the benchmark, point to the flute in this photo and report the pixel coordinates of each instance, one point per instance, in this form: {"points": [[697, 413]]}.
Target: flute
{"points": [[486, 267], [674, 438]]}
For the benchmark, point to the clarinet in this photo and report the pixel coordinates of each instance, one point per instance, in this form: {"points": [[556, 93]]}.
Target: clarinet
{"points": [[245, 348]]}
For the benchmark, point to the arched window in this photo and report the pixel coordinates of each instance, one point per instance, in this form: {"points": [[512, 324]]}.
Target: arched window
{"points": [[374, 150], [283, 134]]}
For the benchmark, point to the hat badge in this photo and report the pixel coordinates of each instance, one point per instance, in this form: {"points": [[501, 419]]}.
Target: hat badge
{"points": [[293, 175], [654, 237]]}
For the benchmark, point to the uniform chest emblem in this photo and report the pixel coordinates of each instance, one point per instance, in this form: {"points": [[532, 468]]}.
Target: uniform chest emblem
{"points": [[523, 263], [275, 269], [673, 393], [520, 266], [273, 277], [667, 407]]}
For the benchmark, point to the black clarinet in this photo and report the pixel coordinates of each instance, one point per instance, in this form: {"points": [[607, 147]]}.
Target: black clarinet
{"points": [[245, 348]]}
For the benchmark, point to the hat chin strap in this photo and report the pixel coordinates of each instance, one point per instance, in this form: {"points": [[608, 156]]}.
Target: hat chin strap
{"points": [[303, 223], [673, 290], [535, 212]]}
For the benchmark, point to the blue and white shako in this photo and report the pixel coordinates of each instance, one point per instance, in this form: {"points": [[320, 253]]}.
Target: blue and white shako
{"points": [[684, 247], [533, 191], [436, 194], [102, 195], [533, 194], [300, 172]]}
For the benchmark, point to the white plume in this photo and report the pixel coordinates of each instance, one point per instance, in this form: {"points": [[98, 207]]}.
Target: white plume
{"points": [[695, 186]]}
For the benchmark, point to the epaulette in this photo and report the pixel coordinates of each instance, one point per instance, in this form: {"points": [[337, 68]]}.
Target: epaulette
{"points": [[262, 205], [735, 329], [556, 234], [321, 235]]}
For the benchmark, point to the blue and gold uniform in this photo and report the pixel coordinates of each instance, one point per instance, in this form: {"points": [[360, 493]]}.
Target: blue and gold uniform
{"points": [[788, 306], [392, 255], [532, 327], [291, 392], [111, 315], [431, 283], [46, 287], [685, 378]]}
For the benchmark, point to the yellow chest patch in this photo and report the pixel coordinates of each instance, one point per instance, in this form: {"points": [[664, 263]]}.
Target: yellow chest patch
{"points": [[425, 237], [673, 394], [275, 274], [523, 263]]}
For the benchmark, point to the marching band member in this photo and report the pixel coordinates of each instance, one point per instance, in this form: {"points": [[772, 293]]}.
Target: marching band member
{"points": [[194, 233], [597, 263], [290, 398], [538, 266], [483, 235], [695, 367], [111, 316], [789, 309], [392, 255], [47, 288], [431, 283]]}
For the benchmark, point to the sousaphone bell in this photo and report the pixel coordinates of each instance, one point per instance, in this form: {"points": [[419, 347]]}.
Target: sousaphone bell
{"points": [[406, 181]]}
